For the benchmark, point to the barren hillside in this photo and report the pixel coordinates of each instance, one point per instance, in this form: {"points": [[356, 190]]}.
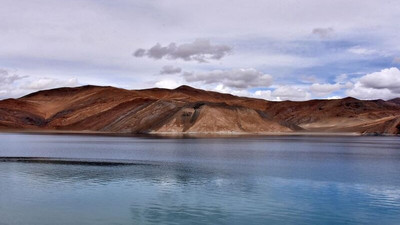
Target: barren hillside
{"points": [[190, 110]]}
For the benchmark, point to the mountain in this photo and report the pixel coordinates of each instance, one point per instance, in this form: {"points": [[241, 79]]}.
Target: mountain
{"points": [[189, 110], [395, 101]]}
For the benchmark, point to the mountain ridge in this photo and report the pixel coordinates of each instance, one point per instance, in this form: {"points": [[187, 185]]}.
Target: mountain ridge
{"points": [[190, 110]]}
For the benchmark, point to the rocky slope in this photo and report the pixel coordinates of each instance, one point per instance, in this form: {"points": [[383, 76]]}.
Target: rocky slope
{"points": [[190, 110]]}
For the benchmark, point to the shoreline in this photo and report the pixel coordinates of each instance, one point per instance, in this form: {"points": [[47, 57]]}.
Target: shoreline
{"points": [[189, 134]]}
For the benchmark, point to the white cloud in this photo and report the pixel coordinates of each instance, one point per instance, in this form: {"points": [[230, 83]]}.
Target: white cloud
{"points": [[361, 92], [396, 60], [384, 84], [281, 93], [236, 78], [386, 78], [201, 50], [47, 83], [264, 94], [358, 50], [170, 84], [293, 93], [326, 89], [170, 70], [334, 97]]}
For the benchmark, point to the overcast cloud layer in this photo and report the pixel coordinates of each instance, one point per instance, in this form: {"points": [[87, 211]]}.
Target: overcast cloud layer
{"points": [[276, 50]]}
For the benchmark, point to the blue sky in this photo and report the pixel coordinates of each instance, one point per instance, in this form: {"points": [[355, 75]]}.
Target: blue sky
{"points": [[276, 50]]}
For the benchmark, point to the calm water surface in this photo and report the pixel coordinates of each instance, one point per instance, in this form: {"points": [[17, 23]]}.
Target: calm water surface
{"points": [[254, 180]]}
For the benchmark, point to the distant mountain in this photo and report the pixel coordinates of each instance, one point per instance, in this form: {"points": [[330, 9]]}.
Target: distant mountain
{"points": [[395, 101], [189, 110]]}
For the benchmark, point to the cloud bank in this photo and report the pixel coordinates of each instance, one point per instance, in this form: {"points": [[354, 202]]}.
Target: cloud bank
{"points": [[322, 90], [293, 93], [384, 84], [287, 39], [47, 83], [14, 85], [7, 79], [236, 78]]}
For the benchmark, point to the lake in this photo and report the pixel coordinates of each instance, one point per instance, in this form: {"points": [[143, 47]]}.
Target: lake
{"points": [[150, 180]]}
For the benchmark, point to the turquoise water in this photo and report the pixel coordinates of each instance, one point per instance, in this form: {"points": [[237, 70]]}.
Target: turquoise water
{"points": [[254, 180]]}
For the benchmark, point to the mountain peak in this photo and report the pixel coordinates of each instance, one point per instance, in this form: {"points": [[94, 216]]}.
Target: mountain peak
{"points": [[185, 87], [350, 99]]}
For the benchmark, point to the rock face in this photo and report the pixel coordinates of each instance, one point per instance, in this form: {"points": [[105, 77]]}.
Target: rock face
{"points": [[190, 110]]}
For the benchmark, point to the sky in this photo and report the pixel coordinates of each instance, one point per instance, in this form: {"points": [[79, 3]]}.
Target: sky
{"points": [[275, 50]]}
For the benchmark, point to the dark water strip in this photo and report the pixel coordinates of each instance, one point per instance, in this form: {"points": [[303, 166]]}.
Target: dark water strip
{"points": [[73, 161]]}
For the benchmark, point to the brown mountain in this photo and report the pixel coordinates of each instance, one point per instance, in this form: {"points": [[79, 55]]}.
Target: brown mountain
{"points": [[190, 110]]}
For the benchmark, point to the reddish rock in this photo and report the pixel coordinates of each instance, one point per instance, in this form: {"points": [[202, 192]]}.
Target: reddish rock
{"points": [[189, 110]]}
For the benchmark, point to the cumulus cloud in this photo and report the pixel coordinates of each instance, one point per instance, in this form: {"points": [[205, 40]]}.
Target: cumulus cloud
{"points": [[385, 79], [384, 84], [236, 78], [170, 70], [287, 92], [323, 32], [281, 93], [201, 50], [170, 84], [263, 94], [361, 92], [47, 83], [334, 97], [358, 50], [326, 89]]}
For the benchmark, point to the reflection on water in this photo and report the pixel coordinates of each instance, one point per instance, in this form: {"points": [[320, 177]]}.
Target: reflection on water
{"points": [[278, 180]]}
